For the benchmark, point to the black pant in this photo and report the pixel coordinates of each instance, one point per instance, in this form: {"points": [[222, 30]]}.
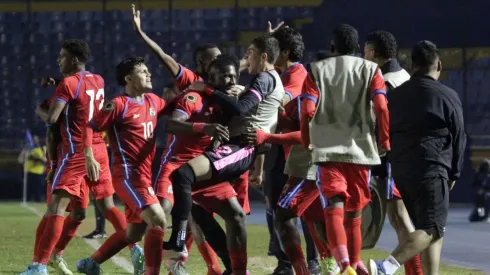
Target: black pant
{"points": [[36, 187], [99, 219]]}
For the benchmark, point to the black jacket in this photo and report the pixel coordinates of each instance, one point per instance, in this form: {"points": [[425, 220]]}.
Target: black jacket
{"points": [[426, 129]]}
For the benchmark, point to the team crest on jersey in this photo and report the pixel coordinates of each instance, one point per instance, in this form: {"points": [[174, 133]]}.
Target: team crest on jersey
{"points": [[109, 106], [191, 98], [153, 112], [151, 191]]}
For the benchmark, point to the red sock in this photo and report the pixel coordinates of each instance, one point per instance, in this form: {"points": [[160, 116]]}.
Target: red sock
{"points": [[118, 221], [337, 239], [321, 246], [238, 257], [189, 240], [414, 266], [51, 235], [297, 258], [39, 235], [210, 257], [153, 250], [111, 247], [69, 229], [354, 238]]}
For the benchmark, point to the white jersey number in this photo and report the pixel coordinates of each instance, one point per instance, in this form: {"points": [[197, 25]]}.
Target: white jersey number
{"points": [[95, 97], [147, 129]]}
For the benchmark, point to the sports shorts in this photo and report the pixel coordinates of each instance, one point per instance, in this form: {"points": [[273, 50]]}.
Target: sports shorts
{"points": [[314, 212], [346, 180], [76, 202], [298, 195], [230, 161], [383, 173], [136, 193], [213, 196], [163, 183], [241, 188], [71, 172], [427, 203]]}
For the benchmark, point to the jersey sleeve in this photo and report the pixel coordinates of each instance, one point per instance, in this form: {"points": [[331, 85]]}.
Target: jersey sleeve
{"points": [[260, 87], [190, 104], [293, 81], [309, 99], [112, 111], [380, 102], [65, 91], [185, 77]]}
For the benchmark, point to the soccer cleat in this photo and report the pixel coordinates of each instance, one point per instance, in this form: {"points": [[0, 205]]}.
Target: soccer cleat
{"points": [[329, 266], [89, 267], [175, 255], [376, 268], [314, 267], [57, 262], [95, 235], [283, 269], [176, 267], [35, 269], [138, 260], [349, 271]]}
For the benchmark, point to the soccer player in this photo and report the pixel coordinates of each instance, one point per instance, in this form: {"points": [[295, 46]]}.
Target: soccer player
{"points": [[79, 95], [221, 198], [380, 47], [339, 93], [426, 157], [182, 78], [130, 119]]}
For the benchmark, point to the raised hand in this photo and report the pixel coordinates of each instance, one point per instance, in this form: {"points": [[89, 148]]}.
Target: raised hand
{"points": [[271, 30], [47, 81], [136, 18]]}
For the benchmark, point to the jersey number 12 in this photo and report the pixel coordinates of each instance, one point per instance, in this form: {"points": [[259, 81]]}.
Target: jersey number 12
{"points": [[95, 97]]}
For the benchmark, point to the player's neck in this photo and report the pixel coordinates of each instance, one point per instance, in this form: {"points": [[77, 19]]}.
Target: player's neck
{"points": [[76, 70], [133, 93], [286, 66], [268, 67]]}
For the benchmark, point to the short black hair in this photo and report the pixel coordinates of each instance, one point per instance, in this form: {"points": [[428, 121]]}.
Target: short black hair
{"points": [[201, 49], [126, 67], [424, 54], [345, 39], [290, 40], [224, 60], [384, 44], [322, 55], [269, 45], [78, 48]]}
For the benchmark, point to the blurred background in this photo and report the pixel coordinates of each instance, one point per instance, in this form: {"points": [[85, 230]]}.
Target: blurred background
{"points": [[31, 33]]}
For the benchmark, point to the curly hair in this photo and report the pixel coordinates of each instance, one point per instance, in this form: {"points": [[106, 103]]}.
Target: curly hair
{"points": [[384, 44], [126, 67], [269, 45], [224, 60], [290, 40], [346, 39], [78, 48], [201, 49]]}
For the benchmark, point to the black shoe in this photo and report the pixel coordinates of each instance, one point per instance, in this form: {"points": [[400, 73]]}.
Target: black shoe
{"points": [[314, 267], [227, 272], [95, 235], [283, 269]]}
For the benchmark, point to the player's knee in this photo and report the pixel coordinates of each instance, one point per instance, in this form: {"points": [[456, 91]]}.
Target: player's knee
{"points": [[157, 221], [336, 201], [184, 177], [79, 214]]}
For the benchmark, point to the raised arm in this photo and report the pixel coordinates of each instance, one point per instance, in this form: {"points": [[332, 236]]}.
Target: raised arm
{"points": [[172, 66]]}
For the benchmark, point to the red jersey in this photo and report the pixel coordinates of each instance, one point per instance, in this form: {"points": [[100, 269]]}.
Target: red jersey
{"points": [[185, 78], [129, 125], [378, 96], [186, 147], [83, 94]]}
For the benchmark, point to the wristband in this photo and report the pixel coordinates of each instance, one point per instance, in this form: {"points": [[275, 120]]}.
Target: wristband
{"points": [[198, 127], [208, 90]]}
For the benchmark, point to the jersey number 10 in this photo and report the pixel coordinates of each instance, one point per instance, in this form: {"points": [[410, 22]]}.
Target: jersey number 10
{"points": [[147, 129], [95, 97]]}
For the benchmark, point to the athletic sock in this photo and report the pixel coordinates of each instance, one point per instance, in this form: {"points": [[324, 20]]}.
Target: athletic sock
{"points": [[39, 235], [115, 243], [354, 238], [153, 250], [414, 266], [68, 232], [297, 258], [51, 235], [337, 239], [321, 246], [210, 257], [238, 258], [118, 221]]}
